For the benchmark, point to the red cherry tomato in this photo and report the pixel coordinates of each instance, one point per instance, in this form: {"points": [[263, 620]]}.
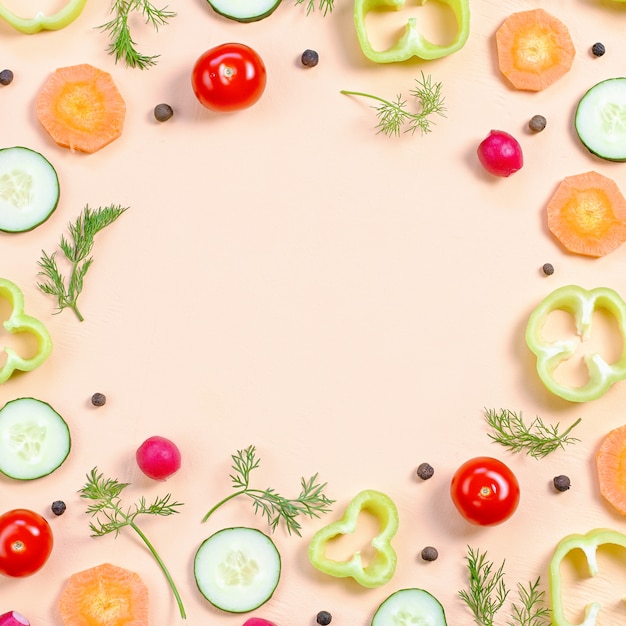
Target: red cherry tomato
{"points": [[229, 77], [25, 542], [485, 491]]}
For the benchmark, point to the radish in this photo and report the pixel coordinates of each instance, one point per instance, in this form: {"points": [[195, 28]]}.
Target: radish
{"points": [[158, 458], [500, 153], [13, 618], [258, 621]]}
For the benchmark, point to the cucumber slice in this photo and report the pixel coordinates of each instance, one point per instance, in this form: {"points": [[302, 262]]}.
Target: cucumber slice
{"points": [[29, 189], [34, 439], [237, 569], [244, 10], [410, 606], [600, 119]]}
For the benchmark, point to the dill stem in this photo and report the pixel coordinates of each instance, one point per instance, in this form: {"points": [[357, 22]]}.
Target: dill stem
{"points": [[221, 502], [162, 565], [569, 430], [367, 95], [78, 313]]}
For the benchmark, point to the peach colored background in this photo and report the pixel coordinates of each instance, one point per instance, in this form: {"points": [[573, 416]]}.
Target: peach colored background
{"points": [[285, 277]]}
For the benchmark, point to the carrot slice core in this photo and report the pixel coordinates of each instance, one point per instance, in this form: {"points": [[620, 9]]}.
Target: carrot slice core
{"points": [[587, 214], [81, 108], [534, 49]]}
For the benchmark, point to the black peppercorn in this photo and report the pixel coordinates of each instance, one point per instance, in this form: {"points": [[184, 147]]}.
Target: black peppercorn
{"points": [[537, 123], [598, 49], [561, 483], [98, 399], [310, 58], [429, 553], [425, 471], [58, 507], [6, 77], [548, 269], [163, 112], [324, 618]]}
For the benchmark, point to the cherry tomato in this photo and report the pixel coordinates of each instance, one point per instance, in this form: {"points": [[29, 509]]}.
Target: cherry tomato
{"points": [[485, 491], [25, 542], [229, 77]]}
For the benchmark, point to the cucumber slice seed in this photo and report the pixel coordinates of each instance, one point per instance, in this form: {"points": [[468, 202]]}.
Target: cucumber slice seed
{"points": [[34, 439], [244, 10], [237, 569], [600, 119], [29, 189], [410, 606]]}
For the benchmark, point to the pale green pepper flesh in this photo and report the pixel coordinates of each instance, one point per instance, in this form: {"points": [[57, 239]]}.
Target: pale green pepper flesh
{"points": [[382, 566], [17, 323], [412, 43], [589, 544], [581, 304], [40, 22]]}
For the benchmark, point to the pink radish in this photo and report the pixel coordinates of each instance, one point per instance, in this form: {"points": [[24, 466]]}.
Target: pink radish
{"points": [[257, 621], [13, 618], [500, 153], [158, 458]]}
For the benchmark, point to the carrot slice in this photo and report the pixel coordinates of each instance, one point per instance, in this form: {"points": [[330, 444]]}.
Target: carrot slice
{"points": [[105, 595], [587, 214], [534, 48], [611, 467], [81, 108]]}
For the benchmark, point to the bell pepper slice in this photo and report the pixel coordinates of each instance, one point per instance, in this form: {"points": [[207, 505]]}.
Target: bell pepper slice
{"points": [[581, 304], [19, 322], [40, 22], [589, 544], [382, 566], [412, 43]]}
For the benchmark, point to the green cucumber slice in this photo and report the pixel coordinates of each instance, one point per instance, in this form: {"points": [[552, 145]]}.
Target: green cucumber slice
{"points": [[237, 569], [410, 606], [29, 189], [600, 119], [34, 439], [244, 10]]}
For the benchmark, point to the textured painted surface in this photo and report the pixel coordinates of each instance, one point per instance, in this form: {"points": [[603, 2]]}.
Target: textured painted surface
{"points": [[349, 303]]}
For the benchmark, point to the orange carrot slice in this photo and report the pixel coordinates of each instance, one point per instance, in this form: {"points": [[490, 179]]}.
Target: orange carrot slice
{"points": [[105, 595], [587, 214], [81, 108], [534, 48], [611, 467]]}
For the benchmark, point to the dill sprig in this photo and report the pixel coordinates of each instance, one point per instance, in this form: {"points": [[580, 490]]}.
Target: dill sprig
{"points": [[311, 502], [536, 438], [82, 231], [533, 610], [110, 516], [487, 591], [325, 6], [394, 116], [122, 44]]}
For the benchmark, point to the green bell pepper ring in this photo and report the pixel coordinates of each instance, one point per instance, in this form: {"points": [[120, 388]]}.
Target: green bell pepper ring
{"points": [[588, 543], [19, 322], [412, 43], [40, 22], [581, 304], [382, 566]]}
